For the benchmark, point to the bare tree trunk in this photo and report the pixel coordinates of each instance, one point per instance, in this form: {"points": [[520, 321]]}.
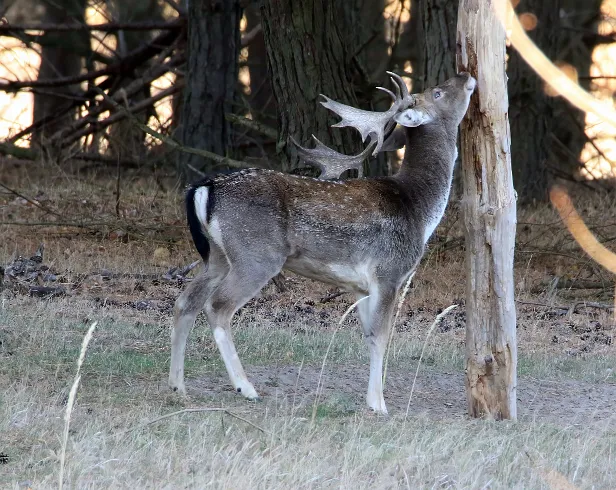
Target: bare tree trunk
{"points": [[213, 47], [307, 57], [489, 207], [61, 56]]}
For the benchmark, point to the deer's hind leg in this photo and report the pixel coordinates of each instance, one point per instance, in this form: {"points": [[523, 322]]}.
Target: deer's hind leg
{"points": [[186, 309], [243, 282]]}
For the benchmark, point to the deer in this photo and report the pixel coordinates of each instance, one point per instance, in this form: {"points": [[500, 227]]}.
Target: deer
{"points": [[364, 235]]}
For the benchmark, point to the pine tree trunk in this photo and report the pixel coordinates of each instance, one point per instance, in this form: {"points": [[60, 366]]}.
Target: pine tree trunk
{"points": [[489, 207], [307, 57], [212, 68]]}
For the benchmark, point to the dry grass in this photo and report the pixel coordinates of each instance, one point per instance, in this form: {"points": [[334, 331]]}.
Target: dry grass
{"points": [[567, 394]]}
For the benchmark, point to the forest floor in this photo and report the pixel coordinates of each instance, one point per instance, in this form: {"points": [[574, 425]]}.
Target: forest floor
{"points": [[110, 258]]}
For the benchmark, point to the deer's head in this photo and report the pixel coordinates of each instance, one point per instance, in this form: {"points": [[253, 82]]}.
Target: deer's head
{"points": [[445, 104]]}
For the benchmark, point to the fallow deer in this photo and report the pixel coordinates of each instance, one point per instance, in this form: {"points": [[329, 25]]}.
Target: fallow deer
{"points": [[365, 235]]}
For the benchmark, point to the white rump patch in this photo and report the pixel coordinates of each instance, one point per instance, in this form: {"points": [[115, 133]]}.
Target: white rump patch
{"points": [[200, 199]]}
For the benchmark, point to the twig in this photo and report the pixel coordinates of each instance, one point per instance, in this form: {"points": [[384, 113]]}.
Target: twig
{"points": [[252, 124], [107, 27], [173, 143], [197, 410], [329, 297], [31, 201], [71, 401]]}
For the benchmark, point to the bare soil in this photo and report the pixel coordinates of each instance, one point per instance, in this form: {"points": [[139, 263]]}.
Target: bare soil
{"points": [[436, 395]]}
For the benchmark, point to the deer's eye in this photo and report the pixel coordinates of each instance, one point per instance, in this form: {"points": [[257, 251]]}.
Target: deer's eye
{"points": [[437, 94]]}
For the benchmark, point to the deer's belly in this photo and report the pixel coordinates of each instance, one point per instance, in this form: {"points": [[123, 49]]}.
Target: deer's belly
{"points": [[352, 277]]}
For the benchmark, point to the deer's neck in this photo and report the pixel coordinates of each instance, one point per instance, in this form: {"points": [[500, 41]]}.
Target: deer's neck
{"points": [[426, 172], [430, 153]]}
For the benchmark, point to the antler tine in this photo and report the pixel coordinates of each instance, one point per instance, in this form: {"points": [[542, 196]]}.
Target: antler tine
{"points": [[331, 163], [401, 86], [388, 92], [371, 123]]}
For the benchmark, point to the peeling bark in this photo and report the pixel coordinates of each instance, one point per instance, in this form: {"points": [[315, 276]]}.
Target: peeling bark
{"points": [[489, 206]]}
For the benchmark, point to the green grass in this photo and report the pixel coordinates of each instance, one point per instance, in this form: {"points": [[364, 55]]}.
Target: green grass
{"points": [[135, 348]]}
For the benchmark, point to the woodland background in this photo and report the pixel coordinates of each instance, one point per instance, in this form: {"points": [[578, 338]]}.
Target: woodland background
{"points": [[256, 70]]}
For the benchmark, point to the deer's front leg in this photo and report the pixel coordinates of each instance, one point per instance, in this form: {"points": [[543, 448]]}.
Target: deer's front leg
{"points": [[375, 314]]}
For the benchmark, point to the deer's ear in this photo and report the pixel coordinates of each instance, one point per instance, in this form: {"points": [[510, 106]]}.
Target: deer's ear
{"points": [[412, 118]]}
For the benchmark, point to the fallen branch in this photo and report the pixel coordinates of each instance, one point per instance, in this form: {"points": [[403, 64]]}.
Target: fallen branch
{"points": [[119, 116], [137, 85], [47, 291], [172, 142], [124, 65], [33, 155]]}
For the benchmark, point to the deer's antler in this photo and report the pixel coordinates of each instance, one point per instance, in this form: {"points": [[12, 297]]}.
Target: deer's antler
{"points": [[331, 163], [371, 123], [375, 125]]}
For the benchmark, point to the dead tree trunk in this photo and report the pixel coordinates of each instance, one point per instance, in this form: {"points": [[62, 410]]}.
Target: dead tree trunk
{"points": [[489, 207], [213, 47], [307, 57]]}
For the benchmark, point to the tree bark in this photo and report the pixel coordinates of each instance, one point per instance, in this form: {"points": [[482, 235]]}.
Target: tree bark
{"points": [[489, 207], [212, 69], [439, 27], [307, 57], [61, 56]]}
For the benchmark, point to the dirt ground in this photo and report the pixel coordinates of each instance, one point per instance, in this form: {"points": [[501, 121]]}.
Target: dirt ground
{"points": [[436, 395]]}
